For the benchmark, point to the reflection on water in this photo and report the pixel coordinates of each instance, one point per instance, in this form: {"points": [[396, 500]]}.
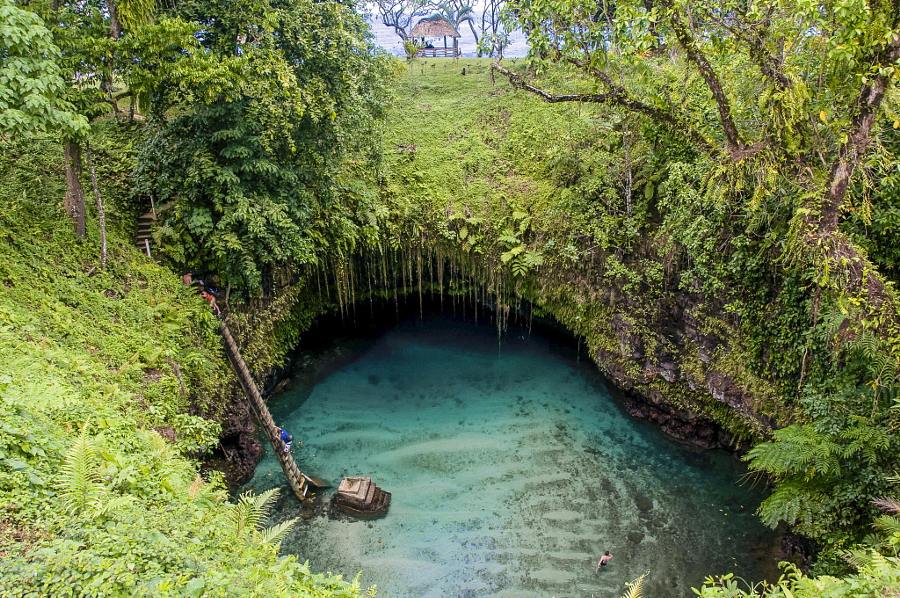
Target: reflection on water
{"points": [[511, 472]]}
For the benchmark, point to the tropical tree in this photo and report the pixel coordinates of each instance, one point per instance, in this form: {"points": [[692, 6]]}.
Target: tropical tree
{"points": [[32, 86], [495, 29], [776, 111], [248, 163], [457, 12], [400, 14], [100, 45]]}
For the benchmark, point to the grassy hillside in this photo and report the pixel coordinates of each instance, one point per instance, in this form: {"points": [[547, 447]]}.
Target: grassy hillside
{"points": [[111, 384]]}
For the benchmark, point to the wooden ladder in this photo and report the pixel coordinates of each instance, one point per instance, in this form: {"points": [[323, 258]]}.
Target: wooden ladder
{"points": [[296, 478], [143, 234]]}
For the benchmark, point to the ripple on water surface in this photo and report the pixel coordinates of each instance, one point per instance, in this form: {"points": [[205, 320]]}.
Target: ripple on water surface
{"points": [[511, 472]]}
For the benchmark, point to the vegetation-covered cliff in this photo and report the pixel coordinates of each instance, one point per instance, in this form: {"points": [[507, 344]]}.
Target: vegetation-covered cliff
{"points": [[692, 189]]}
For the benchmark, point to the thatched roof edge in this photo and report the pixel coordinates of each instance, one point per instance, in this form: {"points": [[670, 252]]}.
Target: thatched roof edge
{"points": [[432, 27]]}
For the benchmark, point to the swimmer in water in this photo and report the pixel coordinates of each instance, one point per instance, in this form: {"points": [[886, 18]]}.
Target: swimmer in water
{"points": [[604, 560]]}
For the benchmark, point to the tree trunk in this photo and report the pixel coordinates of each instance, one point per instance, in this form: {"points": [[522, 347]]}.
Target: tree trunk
{"points": [[101, 212], [684, 36], [474, 33], [115, 28], [852, 151], [74, 200]]}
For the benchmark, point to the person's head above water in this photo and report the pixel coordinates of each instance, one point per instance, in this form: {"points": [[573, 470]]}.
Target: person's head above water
{"points": [[606, 553]]}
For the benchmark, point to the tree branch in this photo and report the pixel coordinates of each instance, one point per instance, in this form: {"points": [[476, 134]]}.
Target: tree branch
{"points": [[858, 136], [616, 96], [519, 83], [754, 34], [840, 259], [735, 145]]}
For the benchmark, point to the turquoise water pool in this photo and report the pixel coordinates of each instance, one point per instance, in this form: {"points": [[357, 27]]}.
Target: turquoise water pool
{"points": [[512, 470]]}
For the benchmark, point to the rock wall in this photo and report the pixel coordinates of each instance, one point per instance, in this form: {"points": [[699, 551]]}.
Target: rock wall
{"points": [[677, 359]]}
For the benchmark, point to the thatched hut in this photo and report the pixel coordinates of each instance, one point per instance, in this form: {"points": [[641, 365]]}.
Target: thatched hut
{"points": [[434, 28]]}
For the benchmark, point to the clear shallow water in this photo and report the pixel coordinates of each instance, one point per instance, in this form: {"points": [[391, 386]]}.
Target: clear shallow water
{"points": [[511, 472]]}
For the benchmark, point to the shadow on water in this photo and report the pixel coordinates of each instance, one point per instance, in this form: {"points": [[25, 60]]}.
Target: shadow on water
{"points": [[511, 470]]}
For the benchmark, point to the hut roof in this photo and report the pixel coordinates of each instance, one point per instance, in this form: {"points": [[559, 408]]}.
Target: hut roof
{"points": [[434, 27]]}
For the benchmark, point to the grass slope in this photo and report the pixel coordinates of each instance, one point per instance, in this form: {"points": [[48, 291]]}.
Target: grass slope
{"points": [[108, 393]]}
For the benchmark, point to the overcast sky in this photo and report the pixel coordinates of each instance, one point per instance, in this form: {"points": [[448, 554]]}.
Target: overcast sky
{"points": [[387, 39]]}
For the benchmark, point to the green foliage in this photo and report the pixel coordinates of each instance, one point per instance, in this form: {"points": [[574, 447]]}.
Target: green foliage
{"points": [[79, 478], [411, 48], [877, 578], [32, 86], [690, 226], [747, 124], [250, 177], [103, 502], [250, 511]]}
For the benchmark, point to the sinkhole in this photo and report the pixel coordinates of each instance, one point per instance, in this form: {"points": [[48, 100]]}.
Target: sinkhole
{"points": [[512, 468]]}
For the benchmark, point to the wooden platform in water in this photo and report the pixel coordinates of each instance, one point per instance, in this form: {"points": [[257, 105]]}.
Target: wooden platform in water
{"points": [[360, 497]]}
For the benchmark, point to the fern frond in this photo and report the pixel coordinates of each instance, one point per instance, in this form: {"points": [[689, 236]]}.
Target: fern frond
{"points": [[117, 503], [888, 525], [866, 439], [251, 509], [635, 589], [831, 322], [264, 503], [791, 502], [858, 559], [796, 450], [79, 479], [276, 533]]}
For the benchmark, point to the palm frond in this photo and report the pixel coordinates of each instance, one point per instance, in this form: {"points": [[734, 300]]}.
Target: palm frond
{"points": [[635, 589], [888, 505]]}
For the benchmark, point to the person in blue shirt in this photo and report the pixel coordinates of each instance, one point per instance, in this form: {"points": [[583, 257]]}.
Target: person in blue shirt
{"points": [[287, 439]]}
